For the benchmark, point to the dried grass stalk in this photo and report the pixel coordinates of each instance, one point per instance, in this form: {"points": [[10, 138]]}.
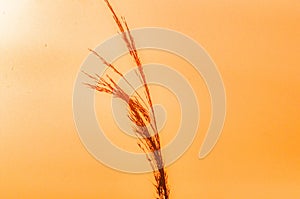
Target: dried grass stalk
{"points": [[144, 123]]}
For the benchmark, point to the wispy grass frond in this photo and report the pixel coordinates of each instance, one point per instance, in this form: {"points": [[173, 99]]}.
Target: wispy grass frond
{"points": [[140, 112]]}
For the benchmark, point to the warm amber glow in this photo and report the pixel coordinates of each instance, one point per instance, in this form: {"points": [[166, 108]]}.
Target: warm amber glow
{"points": [[10, 17], [255, 44]]}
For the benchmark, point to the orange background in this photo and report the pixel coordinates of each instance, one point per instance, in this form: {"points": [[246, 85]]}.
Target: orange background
{"points": [[255, 45]]}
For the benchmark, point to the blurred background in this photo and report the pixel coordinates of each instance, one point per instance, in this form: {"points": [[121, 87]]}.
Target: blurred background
{"points": [[255, 45]]}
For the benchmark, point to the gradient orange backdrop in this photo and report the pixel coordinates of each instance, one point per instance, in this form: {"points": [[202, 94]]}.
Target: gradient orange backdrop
{"points": [[255, 45]]}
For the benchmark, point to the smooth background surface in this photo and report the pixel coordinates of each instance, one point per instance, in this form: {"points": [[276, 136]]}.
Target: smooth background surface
{"points": [[256, 47]]}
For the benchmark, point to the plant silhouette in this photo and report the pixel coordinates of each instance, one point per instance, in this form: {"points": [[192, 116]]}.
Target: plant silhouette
{"points": [[140, 110]]}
